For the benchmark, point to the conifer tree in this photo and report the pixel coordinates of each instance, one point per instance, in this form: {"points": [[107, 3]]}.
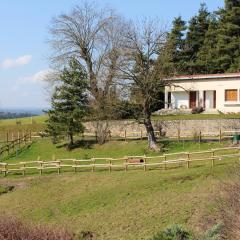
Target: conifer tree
{"points": [[173, 52], [69, 103], [198, 26], [229, 36], [207, 56]]}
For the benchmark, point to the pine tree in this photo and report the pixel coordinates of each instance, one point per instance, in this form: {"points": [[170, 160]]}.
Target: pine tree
{"points": [[173, 53], [69, 103], [197, 29], [207, 56], [229, 36]]}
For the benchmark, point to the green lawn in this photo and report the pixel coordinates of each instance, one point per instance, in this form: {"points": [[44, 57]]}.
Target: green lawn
{"points": [[197, 117], [46, 150]]}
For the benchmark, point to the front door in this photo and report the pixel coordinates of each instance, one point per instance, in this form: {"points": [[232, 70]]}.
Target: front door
{"points": [[192, 99]]}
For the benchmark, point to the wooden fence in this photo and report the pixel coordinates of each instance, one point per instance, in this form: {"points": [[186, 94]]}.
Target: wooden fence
{"points": [[14, 145], [125, 163], [198, 136]]}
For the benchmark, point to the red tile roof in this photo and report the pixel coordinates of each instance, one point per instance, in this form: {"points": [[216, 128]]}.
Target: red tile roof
{"points": [[206, 76]]}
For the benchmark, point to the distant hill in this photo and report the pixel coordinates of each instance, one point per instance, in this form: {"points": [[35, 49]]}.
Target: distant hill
{"points": [[12, 115], [26, 111]]}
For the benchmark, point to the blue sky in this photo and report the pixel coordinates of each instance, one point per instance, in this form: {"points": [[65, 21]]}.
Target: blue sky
{"points": [[23, 47]]}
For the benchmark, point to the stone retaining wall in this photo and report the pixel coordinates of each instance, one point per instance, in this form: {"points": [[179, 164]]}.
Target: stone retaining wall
{"points": [[171, 128]]}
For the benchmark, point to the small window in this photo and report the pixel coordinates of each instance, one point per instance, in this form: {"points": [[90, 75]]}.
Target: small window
{"points": [[231, 95]]}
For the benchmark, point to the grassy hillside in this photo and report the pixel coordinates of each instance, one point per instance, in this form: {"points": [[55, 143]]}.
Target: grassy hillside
{"points": [[36, 123], [132, 205], [120, 205]]}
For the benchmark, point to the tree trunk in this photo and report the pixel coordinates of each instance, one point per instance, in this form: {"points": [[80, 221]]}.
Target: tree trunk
{"points": [[71, 140], [152, 142]]}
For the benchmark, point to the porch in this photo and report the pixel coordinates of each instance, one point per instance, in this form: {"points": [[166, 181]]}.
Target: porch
{"points": [[190, 99]]}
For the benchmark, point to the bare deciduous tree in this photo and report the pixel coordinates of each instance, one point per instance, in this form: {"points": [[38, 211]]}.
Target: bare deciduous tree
{"points": [[93, 36], [141, 68]]}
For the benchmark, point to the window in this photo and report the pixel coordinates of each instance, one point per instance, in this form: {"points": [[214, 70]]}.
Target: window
{"points": [[231, 95]]}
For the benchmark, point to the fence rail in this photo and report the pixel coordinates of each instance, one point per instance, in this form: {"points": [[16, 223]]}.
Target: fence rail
{"points": [[124, 163], [10, 146], [178, 135]]}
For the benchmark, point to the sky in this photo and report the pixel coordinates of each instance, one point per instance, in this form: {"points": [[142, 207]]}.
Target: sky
{"points": [[24, 49]]}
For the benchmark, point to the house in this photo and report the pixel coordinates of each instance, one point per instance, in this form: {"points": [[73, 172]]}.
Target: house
{"points": [[211, 91]]}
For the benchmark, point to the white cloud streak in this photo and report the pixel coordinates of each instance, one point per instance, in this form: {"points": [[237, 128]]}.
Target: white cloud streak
{"points": [[37, 78], [12, 63]]}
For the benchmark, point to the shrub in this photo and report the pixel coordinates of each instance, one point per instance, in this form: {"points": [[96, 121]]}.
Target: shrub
{"points": [[197, 110], [13, 229], [214, 233], [174, 232]]}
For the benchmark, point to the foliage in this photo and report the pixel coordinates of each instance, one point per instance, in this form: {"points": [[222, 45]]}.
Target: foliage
{"points": [[197, 110], [211, 42], [174, 232], [214, 233], [69, 103], [12, 228]]}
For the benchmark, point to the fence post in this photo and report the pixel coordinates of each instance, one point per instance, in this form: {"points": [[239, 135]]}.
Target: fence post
{"points": [[74, 164], [93, 164], [110, 163], [145, 161], [125, 135], [141, 135], [179, 136], [7, 137], [165, 162], [213, 155], [5, 169], [220, 135], [126, 162], [188, 160], [200, 136], [24, 165]]}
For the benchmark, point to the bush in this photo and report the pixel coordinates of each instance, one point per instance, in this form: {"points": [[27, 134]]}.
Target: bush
{"points": [[174, 232], [13, 229], [197, 110], [214, 233]]}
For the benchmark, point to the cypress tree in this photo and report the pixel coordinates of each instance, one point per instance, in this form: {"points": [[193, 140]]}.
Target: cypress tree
{"points": [[69, 103]]}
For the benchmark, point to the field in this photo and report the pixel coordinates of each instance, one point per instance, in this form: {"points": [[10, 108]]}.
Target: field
{"points": [[36, 123], [117, 205]]}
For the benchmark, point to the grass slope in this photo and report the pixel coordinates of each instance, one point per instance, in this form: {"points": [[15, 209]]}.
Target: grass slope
{"points": [[127, 206], [45, 149]]}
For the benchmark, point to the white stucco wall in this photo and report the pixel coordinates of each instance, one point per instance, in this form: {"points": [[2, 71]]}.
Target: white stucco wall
{"points": [[179, 99], [220, 85]]}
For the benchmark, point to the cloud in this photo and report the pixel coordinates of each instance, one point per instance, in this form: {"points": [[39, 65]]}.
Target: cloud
{"points": [[20, 61], [37, 78]]}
